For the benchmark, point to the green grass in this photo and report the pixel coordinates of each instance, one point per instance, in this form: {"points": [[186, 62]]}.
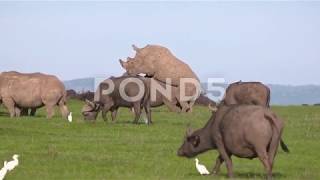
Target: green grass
{"points": [[56, 149]]}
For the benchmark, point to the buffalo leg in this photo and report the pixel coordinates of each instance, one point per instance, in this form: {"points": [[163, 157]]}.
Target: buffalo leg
{"points": [[137, 111], [114, 115], [9, 104], [216, 168], [273, 147], [226, 157], [263, 156], [104, 115]]}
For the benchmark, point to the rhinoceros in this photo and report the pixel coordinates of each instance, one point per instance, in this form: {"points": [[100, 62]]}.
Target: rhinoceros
{"points": [[158, 62], [22, 91]]}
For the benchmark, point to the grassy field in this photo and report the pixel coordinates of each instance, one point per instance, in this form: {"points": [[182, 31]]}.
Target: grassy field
{"points": [[56, 149]]}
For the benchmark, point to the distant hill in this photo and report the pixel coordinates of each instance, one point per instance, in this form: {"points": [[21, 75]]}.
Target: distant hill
{"points": [[80, 85], [280, 94]]}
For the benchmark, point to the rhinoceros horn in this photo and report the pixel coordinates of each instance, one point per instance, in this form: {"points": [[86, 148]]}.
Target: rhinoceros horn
{"points": [[135, 48], [123, 63]]}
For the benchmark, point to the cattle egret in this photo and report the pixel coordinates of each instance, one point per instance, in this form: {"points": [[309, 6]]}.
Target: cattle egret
{"points": [[201, 168], [70, 117], [12, 164], [3, 171]]}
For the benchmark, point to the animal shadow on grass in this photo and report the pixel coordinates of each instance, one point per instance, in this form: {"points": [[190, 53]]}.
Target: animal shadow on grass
{"points": [[140, 122], [242, 175], [4, 113], [255, 175]]}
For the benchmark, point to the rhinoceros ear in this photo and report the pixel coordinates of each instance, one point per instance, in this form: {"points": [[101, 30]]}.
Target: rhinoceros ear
{"points": [[135, 48], [123, 63], [130, 59]]}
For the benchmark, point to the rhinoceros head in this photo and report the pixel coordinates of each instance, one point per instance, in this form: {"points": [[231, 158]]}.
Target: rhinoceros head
{"points": [[145, 61]]}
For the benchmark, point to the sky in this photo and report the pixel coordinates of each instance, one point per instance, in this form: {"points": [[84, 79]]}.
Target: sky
{"points": [[271, 42]]}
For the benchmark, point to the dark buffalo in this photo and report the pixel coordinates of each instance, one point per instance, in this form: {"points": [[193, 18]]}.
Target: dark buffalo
{"points": [[111, 102], [247, 93], [254, 93], [246, 131]]}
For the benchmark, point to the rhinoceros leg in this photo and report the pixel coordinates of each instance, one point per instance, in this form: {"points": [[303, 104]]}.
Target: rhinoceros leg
{"points": [[185, 107], [9, 104], [64, 109], [50, 110], [17, 111], [33, 111], [172, 105], [24, 112]]}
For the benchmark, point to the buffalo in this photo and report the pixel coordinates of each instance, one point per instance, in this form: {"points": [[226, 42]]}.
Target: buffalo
{"points": [[245, 131], [113, 100], [254, 93]]}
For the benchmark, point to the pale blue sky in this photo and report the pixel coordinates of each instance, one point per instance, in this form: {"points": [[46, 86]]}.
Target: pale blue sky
{"points": [[276, 42]]}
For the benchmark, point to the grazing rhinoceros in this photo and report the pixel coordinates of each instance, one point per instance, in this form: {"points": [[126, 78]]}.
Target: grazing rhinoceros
{"points": [[22, 91], [246, 131], [158, 62], [254, 93]]}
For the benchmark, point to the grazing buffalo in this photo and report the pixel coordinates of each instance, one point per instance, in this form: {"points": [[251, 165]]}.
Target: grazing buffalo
{"points": [[113, 100], [246, 131], [254, 93], [158, 62], [23, 91]]}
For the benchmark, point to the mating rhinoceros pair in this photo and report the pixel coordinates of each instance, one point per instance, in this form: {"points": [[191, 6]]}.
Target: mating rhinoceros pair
{"points": [[20, 92], [242, 125], [158, 62]]}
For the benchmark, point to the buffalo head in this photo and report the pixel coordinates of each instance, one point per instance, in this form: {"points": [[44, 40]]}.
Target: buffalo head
{"points": [[90, 110], [190, 146]]}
